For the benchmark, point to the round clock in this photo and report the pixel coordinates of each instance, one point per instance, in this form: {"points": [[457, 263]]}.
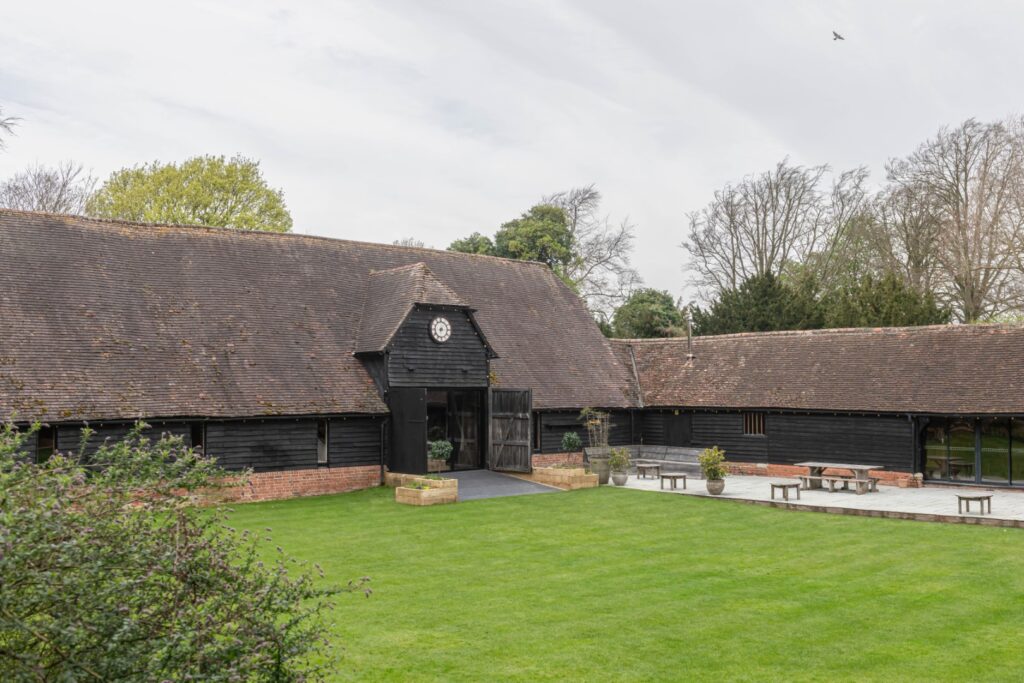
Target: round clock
{"points": [[440, 329]]}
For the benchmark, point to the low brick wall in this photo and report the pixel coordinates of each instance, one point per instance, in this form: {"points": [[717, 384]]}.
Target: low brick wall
{"points": [[905, 479], [293, 483], [551, 459]]}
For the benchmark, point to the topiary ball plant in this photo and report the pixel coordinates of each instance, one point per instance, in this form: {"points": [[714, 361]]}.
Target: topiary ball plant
{"points": [[571, 442], [440, 450]]}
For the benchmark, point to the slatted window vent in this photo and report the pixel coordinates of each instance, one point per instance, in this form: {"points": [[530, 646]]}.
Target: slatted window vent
{"points": [[753, 424]]}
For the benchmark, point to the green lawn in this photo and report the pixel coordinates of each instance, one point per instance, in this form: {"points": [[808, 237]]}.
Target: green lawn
{"points": [[624, 585]]}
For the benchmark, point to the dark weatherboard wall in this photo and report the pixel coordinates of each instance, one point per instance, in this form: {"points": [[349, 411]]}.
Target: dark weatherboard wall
{"points": [[552, 426], [790, 438], [416, 360]]}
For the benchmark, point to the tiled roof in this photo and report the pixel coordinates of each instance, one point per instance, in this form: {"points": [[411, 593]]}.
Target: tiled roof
{"points": [[390, 296], [955, 369], [107, 320]]}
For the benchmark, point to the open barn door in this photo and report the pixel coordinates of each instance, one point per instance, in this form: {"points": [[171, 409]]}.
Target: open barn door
{"points": [[510, 430], [408, 430]]}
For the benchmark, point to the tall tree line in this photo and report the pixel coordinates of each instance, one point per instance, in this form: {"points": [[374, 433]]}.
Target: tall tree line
{"points": [[946, 227]]}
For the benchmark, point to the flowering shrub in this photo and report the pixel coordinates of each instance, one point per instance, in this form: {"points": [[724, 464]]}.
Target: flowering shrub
{"points": [[440, 450], [571, 442], [110, 573]]}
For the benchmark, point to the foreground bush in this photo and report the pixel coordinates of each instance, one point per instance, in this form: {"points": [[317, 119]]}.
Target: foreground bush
{"points": [[107, 572]]}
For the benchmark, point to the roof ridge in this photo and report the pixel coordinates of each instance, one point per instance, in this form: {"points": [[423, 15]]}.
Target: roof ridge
{"points": [[261, 234]]}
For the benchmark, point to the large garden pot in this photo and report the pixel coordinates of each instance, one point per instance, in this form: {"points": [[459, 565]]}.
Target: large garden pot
{"points": [[715, 486], [599, 466], [620, 478]]}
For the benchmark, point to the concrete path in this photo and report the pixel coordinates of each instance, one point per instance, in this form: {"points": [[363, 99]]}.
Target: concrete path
{"points": [[478, 484], [931, 503]]}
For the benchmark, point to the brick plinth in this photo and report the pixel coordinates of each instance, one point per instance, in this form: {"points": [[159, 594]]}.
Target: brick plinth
{"points": [[551, 459], [293, 483], [903, 479]]}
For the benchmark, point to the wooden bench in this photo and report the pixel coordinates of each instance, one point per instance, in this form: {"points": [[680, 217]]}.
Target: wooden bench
{"points": [[643, 469], [785, 486], [672, 478], [963, 499]]}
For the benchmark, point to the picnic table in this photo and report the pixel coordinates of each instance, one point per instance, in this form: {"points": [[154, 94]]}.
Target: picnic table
{"points": [[816, 478]]}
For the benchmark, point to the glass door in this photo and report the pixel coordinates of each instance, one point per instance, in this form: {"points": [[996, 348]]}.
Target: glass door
{"points": [[962, 450], [994, 450]]}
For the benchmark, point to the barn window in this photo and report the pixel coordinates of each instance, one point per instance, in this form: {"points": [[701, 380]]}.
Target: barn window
{"points": [[753, 424], [321, 442], [46, 443]]}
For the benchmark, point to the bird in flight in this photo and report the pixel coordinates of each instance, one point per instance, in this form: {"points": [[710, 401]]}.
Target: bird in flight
{"points": [[836, 36]]}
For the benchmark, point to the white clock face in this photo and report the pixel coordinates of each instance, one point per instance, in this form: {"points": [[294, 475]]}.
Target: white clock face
{"points": [[440, 329]]}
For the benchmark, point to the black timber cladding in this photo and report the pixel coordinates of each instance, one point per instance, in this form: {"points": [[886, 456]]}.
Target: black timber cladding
{"points": [[665, 427], [554, 424], [790, 438], [69, 437], [266, 445], [416, 360], [354, 441]]}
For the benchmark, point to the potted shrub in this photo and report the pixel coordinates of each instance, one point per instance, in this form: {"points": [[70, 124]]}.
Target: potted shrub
{"points": [[598, 424], [618, 462], [713, 468], [438, 453]]}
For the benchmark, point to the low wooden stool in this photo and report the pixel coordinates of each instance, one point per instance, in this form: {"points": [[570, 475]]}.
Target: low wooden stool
{"points": [[672, 479], [785, 486], [643, 470], [963, 499]]}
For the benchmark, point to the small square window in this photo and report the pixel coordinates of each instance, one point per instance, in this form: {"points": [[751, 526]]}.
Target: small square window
{"points": [[321, 442], [753, 424]]}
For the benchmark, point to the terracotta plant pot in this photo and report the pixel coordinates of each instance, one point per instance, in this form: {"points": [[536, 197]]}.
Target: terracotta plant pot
{"points": [[715, 486], [620, 478]]}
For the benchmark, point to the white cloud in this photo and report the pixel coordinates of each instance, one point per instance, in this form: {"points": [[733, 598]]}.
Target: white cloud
{"points": [[390, 119]]}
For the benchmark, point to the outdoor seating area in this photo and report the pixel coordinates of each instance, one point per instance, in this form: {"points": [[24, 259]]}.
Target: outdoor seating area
{"points": [[817, 477], [997, 507]]}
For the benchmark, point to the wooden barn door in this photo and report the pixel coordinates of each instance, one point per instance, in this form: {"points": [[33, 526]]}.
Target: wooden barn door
{"points": [[510, 430], [408, 430]]}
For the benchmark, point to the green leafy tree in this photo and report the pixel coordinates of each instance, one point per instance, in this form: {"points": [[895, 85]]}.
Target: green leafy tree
{"points": [[204, 190], [474, 244], [762, 303], [540, 234], [647, 313], [882, 302], [109, 574]]}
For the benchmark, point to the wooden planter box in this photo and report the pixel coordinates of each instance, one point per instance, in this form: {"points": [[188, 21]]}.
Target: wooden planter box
{"points": [[431, 496], [437, 465], [393, 479], [565, 477]]}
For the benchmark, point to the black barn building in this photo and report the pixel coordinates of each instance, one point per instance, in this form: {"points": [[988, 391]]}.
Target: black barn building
{"points": [[318, 360]]}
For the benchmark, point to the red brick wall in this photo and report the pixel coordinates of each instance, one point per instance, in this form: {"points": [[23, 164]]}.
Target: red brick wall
{"points": [[769, 470], [549, 459], [293, 483]]}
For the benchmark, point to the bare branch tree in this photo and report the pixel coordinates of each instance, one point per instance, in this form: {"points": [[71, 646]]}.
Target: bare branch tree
{"points": [[601, 268], [409, 242], [905, 233], [768, 222], [7, 124], [64, 188], [972, 177]]}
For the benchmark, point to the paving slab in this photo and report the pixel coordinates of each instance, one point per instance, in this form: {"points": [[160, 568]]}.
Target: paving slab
{"points": [[479, 484]]}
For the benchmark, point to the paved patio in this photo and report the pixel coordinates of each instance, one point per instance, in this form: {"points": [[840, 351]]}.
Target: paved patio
{"points": [[931, 503]]}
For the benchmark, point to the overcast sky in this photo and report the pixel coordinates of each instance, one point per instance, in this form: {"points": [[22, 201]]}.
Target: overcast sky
{"points": [[382, 120]]}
